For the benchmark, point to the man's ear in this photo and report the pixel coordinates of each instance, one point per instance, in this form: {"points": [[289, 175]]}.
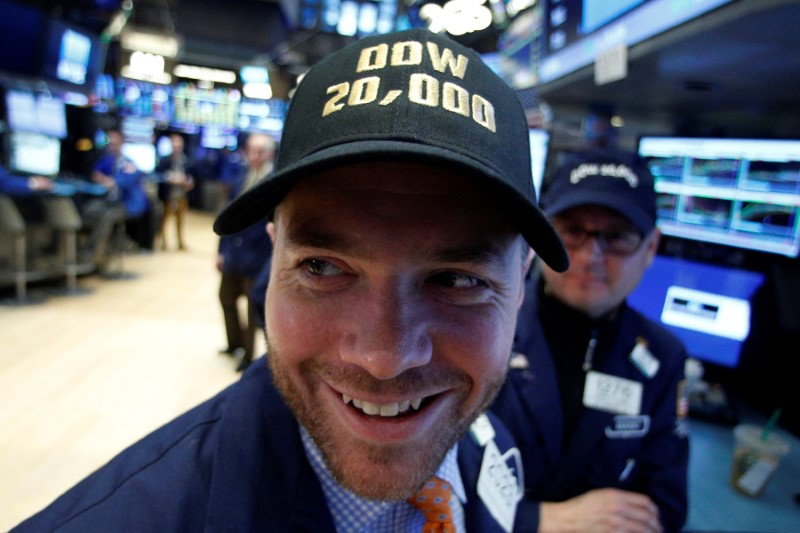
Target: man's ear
{"points": [[652, 245], [271, 231], [526, 267], [528, 261]]}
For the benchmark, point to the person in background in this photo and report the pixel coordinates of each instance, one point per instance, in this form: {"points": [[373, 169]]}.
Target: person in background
{"points": [[401, 218], [592, 395], [242, 255], [126, 183], [176, 180]]}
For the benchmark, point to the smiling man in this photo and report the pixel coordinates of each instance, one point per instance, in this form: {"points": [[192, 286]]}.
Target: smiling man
{"points": [[401, 211]]}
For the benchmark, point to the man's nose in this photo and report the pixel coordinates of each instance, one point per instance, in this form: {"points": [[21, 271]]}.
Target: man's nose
{"points": [[389, 333]]}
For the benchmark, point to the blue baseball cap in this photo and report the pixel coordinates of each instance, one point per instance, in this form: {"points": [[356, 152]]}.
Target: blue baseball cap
{"points": [[618, 181]]}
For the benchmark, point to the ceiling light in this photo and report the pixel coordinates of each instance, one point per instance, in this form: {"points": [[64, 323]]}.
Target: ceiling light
{"points": [[154, 43]]}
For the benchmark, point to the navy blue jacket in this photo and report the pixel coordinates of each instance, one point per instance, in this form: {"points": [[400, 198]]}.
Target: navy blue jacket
{"points": [[235, 463], [603, 444]]}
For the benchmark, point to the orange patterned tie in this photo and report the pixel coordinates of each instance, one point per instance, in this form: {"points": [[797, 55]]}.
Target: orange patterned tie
{"points": [[433, 499]]}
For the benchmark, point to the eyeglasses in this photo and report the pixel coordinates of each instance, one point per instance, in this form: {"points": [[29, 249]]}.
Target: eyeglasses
{"points": [[612, 241]]}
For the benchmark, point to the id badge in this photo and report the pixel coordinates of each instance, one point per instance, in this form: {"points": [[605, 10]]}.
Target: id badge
{"points": [[498, 486], [612, 394]]}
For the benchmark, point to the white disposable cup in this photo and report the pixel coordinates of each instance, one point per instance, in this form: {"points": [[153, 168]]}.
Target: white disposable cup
{"points": [[755, 459]]}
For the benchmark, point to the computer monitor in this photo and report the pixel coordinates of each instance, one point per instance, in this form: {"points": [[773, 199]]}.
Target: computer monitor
{"points": [[264, 116], [27, 111], [743, 193], [71, 54], [218, 137], [34, 153], [707, 306], [576, 31]]}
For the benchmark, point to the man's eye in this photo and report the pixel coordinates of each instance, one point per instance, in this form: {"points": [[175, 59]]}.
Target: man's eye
{"points": [[621, 236], [318, 267], [457, 281]]}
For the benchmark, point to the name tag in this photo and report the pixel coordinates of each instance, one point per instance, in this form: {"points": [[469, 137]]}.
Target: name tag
{"points": [[643, 359], [498, 487], [628, 427], [612, 394]]}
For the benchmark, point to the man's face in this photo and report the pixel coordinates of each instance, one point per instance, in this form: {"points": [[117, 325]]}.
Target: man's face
{"points": [[115, 142], [258, 151], [597, 281], [390, 315]]}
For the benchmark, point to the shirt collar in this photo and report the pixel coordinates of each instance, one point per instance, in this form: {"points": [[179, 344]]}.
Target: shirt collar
{"points": [[352, 512]]}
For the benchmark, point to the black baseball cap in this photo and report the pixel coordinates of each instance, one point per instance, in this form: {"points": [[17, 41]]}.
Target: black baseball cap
{"points": [[618, 180], [408, 95]]}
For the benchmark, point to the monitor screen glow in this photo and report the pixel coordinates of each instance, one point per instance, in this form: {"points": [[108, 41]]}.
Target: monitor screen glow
{"points": [[34, 153], [577, 31], [43, 114], [743, 193], [706, 306]]}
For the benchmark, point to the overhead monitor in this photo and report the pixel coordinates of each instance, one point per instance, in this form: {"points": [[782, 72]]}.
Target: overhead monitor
{"points": [[218, 137], [71, 54], [576, 31], [348, 17], [27, 111], [263, 116], [743, 193]]}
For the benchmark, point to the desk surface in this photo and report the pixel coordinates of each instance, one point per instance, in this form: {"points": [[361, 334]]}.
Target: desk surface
{"points": [[715, 506]]}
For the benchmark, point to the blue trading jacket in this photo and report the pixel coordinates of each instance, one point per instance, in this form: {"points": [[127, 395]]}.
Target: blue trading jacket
{"points": [[235, 463], [604, 445], [130, 185]]}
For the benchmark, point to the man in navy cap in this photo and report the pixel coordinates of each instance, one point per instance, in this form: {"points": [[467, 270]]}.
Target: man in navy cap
{"points": [[401, 209], [592, 394]]}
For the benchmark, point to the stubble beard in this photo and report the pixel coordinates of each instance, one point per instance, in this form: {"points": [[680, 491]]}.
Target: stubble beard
{"points": [[377, 472]]}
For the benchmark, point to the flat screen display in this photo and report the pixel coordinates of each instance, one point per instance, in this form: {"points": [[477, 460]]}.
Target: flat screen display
{"points": [[706, 306], [44, 114], [263, 116], [348, 17], [34, 153], [218, 137], [197, 106], [135, 98], [71, 54], [743, 193], [576, 31]]}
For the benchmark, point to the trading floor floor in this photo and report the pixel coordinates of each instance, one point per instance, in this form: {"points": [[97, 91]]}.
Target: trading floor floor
{"points": [[84, 375]]}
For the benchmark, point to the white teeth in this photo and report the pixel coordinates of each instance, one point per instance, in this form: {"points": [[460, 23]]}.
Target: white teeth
{"points": [[388, 409], [370, 408]]}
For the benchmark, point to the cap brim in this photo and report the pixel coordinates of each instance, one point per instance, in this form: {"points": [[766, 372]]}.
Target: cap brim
{"points": [[260, 201]]}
